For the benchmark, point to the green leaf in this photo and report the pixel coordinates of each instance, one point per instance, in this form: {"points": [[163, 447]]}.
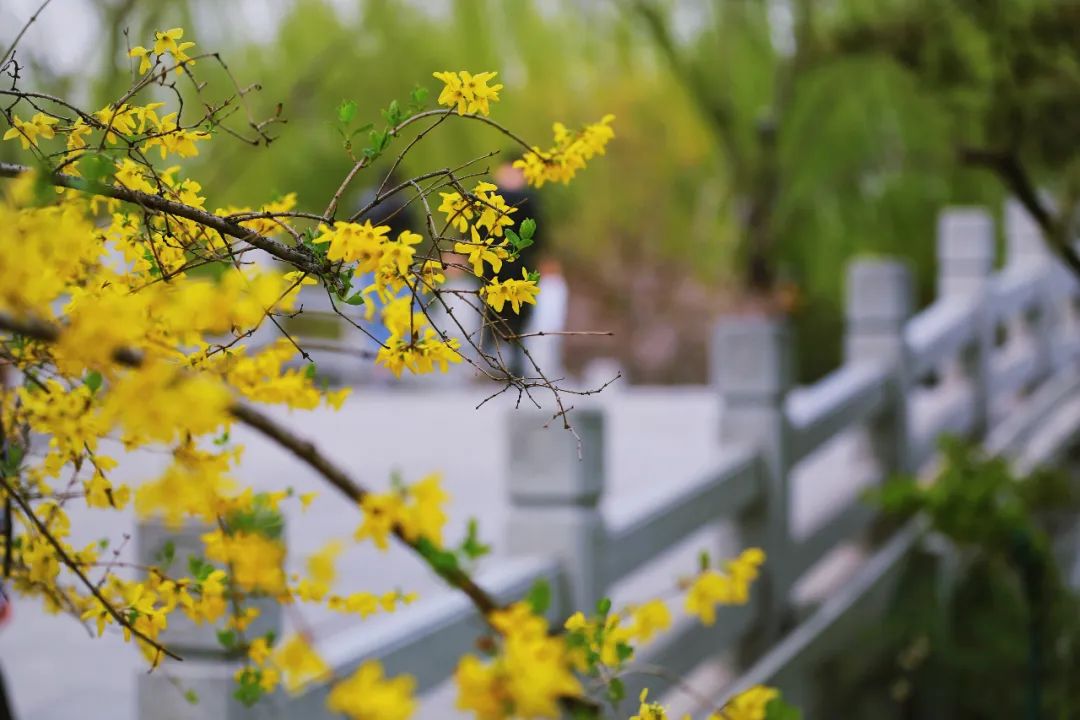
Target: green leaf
{"points": [[346, 111], [227, 638], [199, 568], [167, 553], [471, 547], [260, 517], [93, 381], [354, 299], [309, 371], [392, 114], [191, 696], [534, 276], [418, 95], [443, 562], [603, 607], [704, 560], [248, 689], [616, 691], [527, 228], [539, 597], [13, 456], [777, 709], [222, 439]]}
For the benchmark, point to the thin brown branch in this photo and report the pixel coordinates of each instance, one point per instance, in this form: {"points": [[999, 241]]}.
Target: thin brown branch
{"points": [[26, 26], [303, 449], [295, 256], [74, 567], [1011, 171]]}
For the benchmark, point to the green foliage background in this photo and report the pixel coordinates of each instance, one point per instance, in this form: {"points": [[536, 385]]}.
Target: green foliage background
{"points": [[866, 147]]}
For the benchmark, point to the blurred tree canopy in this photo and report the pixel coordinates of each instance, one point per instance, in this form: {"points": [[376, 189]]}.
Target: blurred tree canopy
{"points": [[795, 133]]}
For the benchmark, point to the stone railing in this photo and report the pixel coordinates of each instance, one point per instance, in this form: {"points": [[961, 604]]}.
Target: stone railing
{"points": [[993, 358]]}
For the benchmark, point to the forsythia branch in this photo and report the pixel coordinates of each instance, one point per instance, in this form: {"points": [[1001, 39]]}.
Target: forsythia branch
{"points": [[295, 256], [303, 449]]}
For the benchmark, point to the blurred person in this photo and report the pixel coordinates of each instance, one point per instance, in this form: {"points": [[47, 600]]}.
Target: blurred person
{"points": [[398, 213], [455, 315], [508, 324], [547, 321]]}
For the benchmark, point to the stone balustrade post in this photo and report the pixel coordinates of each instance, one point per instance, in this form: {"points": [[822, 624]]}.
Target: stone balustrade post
{"points": [[753, 369], [879, 303], [965, 255], [554, 498], [203, 684]]}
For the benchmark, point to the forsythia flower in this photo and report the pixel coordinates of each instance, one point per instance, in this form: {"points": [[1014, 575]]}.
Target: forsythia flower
{"points": [[750, 704], [517, 292], [28, 132], [351, 242], [712, 588], [412, 344], [467, 92], [648, 710], [417, 511], [571, 153], [167, 41], [648, 619], [300, 664], [144, 58], [119, 120], [528, 676], [366, 695]]}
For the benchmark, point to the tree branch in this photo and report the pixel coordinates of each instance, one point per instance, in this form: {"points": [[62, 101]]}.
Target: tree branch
{"points": [[1007, 166], [295, 256], [303, 449]]}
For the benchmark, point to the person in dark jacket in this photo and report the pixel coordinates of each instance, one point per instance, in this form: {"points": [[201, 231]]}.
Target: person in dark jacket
{"points": [[508, 324]]}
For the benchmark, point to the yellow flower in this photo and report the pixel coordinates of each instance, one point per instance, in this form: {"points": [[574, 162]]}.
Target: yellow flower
{"points": [[466, 92], [28, 132], [119, 120], [144, 58], [382, 512], [750, 704], [367, 695], [168, 41], [517, 292], [571, 153], [481, 251], [424, 515], [300, 664], [711, 588], [165, 40], [77, 135], [320, 565], [259, 651], [351, 242], [648, 619], [649, 711], [527, 678]]}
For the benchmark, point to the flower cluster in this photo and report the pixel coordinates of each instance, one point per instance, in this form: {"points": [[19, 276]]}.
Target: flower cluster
{"points": [[516, 292], [571, 152], [527, 675], [607, 639], [165, 41], [468, 93], [751, 704], [728, 587], [127, 313], [416, 511]]}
